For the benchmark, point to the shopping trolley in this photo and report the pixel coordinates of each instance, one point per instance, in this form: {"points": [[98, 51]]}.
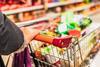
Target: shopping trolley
{"points": [[60, 52], [67, 51]]}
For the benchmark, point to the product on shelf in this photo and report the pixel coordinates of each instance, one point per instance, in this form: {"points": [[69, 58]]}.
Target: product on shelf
{"points": [[62, 0], [5, 7], [36, 2], [38, 14], [87, 1], [58, 9], [98, 6], [95, 1], [41, 13], [85, 12], [81, 4], [55, 0], [15, 4], [27, 16], [9, 4], [13, 18], [35, 14]]}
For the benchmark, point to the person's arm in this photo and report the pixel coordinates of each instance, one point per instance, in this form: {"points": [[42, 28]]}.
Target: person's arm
{"points": [[11, 37], [29, 34], [14, 39]]}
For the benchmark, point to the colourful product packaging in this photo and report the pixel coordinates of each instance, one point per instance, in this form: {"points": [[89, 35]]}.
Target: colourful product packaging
{"points": [[55, 0], [62, 0]]}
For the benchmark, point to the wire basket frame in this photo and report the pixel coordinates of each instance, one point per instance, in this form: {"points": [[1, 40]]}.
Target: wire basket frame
{"points": [[60, 57]]}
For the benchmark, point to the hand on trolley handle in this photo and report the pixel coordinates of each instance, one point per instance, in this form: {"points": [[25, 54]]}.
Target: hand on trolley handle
{"points": [[61, 42]]}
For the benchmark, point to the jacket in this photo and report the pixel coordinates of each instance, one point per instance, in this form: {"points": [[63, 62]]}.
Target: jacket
{"points": [[11, 37]]}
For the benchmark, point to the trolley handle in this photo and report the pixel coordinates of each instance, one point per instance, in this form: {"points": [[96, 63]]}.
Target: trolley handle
{"points": [[61, 42]]}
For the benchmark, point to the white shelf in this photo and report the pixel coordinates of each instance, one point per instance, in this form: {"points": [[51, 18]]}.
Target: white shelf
{"points": [[19, 10]]}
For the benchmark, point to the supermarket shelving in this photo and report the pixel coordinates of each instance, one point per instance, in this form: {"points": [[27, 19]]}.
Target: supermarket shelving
{"points": [[19, 10], [54, 16], [49, 6], [62, 3], [92, 13], [96, 11], [82, 7], [20, 24]]}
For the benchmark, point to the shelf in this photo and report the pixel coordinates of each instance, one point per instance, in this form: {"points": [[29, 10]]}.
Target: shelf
{"points": [[62, 3], [82, 7], [20, 24], [55, 15], [19, 10], [92, 13], [25, 23], [96, 11]]}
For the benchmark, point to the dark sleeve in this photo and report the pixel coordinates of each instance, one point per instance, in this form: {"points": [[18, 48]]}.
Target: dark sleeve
{"points": [[11, 37]]}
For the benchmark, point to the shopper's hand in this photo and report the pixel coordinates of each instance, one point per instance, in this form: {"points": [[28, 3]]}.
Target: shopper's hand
{"points": [[29, 33]]}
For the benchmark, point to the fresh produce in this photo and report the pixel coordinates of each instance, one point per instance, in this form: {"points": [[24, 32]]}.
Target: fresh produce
{"points": [[85, 22]]}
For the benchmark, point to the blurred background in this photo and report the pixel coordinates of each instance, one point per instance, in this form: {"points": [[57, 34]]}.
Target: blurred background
{"points": [[60, 18]]}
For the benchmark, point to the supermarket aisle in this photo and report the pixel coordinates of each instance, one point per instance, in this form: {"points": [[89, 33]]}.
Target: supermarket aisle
{"points": [[25, 13]]}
